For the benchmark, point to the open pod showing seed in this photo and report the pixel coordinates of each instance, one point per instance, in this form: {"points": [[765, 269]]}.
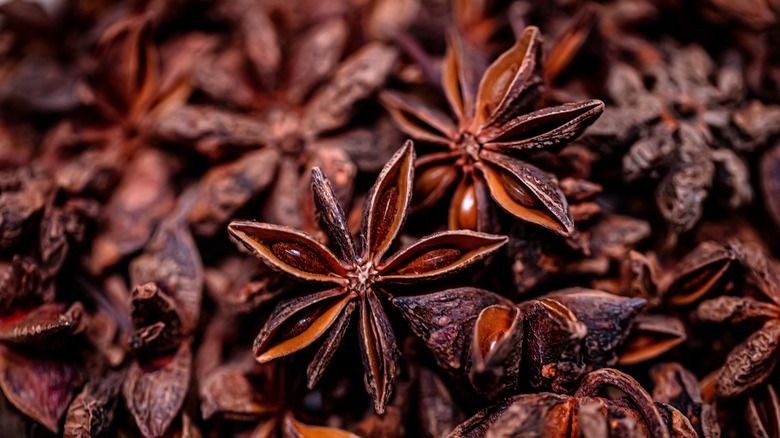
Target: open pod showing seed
{"points": [[750, 363], [328, 348], [289, 251], [471, 207], [651, 336], [526, 192], [461, 69], [439, 254], [445, 321], [701, 271], [388, 202], [496, 351], [552, 344], [512, 83], [436, 174], [297, 323], [608, 318]]}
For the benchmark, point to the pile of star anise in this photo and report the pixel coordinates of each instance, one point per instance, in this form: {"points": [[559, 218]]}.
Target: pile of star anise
{"points": [[390, 218]]}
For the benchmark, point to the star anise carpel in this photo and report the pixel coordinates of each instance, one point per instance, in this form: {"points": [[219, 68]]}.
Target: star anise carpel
{"points": [[497, 128], [355, 276]]}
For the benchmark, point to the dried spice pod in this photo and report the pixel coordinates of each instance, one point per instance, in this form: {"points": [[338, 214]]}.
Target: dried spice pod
{"points": [[651, 336], [438, 411], [144, 196], [172, 262], [92, 410], [41, 387], [46, 326], [154, 393], [496, 351], [23, 194], [227, 188], [750, 363], [678, 387], [553, 341], [314, 99], [228, 392], [595, 381], [358, 278], [495, 123], [608, 319], [158, 327], [445, 321], [762, 412], [585, 413], [699, 272], [539, 414]]}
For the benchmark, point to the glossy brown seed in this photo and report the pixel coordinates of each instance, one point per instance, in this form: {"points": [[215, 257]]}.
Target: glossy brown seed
{"points": [[516, 191], [299, 257], [493, 325], [430, 261], [290, 328], [465, 211], [429, 179], [300, 322], [386, 211]]}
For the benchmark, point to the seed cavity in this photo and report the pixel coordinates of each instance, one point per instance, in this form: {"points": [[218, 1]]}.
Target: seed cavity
{"points": [[299, 257], [431, 261], [384, 216], [516, 191]]}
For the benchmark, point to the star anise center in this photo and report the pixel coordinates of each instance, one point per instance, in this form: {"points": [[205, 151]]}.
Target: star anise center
{"points": [[468, 146], [361, 279], [284, 122]]}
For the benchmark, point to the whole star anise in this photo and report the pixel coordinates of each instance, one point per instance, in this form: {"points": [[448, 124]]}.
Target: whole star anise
{"points": [[357, 276], [495, 124]]}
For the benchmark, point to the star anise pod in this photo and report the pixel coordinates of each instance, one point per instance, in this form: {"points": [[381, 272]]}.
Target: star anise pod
{"points": [[587, 413], [495, 125], [358, 276], [548, 342]]}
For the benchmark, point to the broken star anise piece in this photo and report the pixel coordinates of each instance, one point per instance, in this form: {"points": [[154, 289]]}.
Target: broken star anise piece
{"points": [[356, 277], [496, 124]]}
